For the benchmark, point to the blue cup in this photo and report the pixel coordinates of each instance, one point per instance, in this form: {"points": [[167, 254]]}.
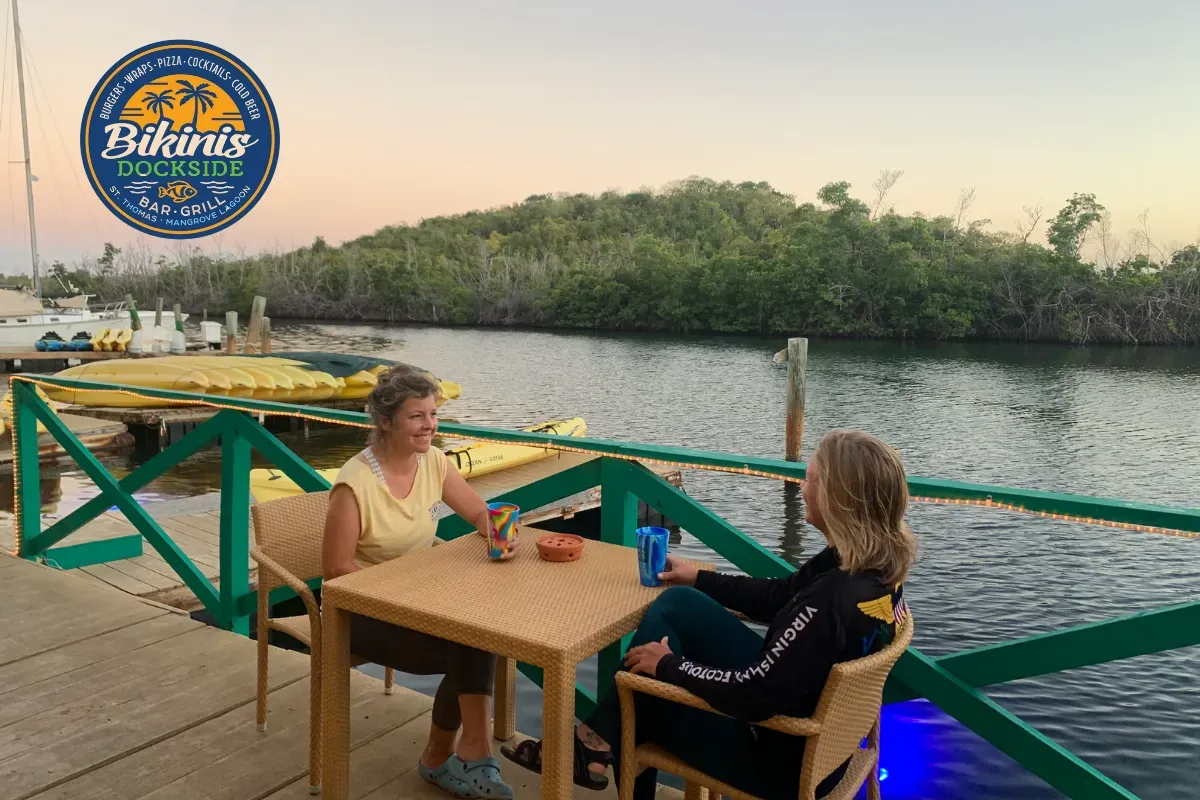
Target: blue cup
{"points": [[652, 554]]}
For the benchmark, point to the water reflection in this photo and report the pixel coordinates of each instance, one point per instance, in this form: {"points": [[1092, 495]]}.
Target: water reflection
{"points": [[791, 542]]}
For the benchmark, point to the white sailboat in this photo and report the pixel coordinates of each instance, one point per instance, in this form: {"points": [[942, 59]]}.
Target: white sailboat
{"points": [[24, 316]]}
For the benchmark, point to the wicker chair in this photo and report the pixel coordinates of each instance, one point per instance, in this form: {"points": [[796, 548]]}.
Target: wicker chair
{"points": [[288, 534], [847, 712]]}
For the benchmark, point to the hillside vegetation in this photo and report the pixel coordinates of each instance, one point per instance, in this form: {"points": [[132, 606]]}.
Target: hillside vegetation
{"points": [[706, 256]]}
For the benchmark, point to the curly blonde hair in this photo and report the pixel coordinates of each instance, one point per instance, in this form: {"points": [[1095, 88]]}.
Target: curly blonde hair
{"points": [[396, 385], [863, 492]]}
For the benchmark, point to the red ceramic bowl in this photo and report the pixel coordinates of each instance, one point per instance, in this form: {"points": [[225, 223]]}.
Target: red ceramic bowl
{"points": [[560, 546]]}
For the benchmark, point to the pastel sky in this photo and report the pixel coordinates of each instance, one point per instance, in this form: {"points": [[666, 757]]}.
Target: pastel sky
{"points": [[392, 111]]}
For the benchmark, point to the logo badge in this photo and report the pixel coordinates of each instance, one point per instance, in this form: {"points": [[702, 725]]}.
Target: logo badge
{"points": [[179, 139]]}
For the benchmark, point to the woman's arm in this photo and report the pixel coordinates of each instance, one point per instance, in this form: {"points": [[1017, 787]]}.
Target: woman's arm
{"points": [[465, 501], [342, 529], [761, 599]]}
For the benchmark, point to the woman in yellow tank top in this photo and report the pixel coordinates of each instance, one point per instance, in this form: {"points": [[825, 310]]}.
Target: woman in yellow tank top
{"points": [[385, 504]]}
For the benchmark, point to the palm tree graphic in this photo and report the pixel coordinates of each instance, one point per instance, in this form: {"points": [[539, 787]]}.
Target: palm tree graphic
{"points": [[200, 96], [157, 102]]}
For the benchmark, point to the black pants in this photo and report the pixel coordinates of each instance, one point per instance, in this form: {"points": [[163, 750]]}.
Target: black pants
{"points": [[467, 670], [761, 762]]}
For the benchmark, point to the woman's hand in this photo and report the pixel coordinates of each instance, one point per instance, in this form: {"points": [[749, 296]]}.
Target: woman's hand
{"points": [[679, 573], [645, 658]]}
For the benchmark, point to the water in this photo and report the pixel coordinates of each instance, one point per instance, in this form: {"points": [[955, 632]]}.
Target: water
{"points": [[1110, 422]]}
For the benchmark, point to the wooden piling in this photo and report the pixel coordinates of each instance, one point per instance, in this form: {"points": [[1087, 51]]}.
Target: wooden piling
{"points": [[178, 317], [158, 313], [135, 322], [266, 335], [231, 332], [797, 363], [254, 329]]}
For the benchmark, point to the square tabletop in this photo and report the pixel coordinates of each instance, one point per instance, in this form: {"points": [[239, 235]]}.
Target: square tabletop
{"points": [[525, 608]]}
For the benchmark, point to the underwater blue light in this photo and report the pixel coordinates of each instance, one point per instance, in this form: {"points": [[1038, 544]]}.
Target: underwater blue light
{"points": [[908, 748]]}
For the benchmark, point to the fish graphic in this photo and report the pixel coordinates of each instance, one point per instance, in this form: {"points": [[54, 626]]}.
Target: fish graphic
{"points": [[179, 191]]}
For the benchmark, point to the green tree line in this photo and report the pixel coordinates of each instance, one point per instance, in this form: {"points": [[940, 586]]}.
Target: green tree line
{"points": [[707, 256]]}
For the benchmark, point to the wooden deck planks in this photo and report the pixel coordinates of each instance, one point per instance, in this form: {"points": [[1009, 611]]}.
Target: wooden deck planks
{"points": [[249, 764], [162, 708], [138, 687], [43, 629], [375, 763], [48, 667]]}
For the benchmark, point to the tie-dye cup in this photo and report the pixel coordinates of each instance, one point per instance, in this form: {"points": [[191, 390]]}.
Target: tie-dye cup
{"points": [[502, 530]]}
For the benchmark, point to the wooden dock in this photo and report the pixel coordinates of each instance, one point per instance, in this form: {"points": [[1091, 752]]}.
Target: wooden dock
{"points": [[108, 697], [99, 436], [155, 417], [23, 354], [9, 355], [162, 427], [194, 524]]}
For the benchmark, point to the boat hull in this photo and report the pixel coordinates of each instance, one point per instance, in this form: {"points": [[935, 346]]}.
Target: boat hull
{"points": [[17, 334]]}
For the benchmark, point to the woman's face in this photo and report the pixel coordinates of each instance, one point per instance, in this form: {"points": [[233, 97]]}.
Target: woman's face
{"points": [[811, 493], [414, 424]]}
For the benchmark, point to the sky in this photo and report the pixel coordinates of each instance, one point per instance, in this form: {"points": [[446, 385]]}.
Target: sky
{"points": [[394, 111]]}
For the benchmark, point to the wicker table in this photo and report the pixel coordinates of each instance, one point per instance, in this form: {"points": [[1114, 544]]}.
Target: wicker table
{"points": [[551, 615]]}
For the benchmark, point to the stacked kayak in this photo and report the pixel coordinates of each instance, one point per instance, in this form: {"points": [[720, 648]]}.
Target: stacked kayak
{"points": [[283, 378], [471, 460]]}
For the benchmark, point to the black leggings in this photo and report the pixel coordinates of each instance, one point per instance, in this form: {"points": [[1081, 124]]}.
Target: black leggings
{"points": [[467, 670], [758, 761]]}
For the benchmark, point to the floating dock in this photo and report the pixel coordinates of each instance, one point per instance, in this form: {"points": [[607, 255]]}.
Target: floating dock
{"points": [[107, 696], [98, 436], [194, 524], [32, 359], [162, 427]]}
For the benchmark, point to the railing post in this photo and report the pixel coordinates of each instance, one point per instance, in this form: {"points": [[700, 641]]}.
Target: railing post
{"points": [[26, 470], [235, 526], [618, 521]]}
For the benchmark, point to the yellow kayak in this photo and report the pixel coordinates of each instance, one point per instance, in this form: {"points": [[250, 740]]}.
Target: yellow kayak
{"points": [[273, 378], [471, 460], [146, 373]]}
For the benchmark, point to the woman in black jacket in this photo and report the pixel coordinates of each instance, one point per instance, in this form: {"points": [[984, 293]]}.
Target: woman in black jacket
{"points": [[844, 603]]}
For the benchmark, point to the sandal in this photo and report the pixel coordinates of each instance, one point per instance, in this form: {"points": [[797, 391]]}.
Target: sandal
{"points": [[481, 777], [529, 755]]}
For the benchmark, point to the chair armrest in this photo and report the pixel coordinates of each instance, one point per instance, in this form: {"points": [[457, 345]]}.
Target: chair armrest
{"points": [[298, 586], [667, 691], [627, 682]]}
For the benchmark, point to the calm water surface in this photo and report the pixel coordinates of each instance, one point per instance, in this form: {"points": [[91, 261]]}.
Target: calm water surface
{"points": [[1115, 423]]}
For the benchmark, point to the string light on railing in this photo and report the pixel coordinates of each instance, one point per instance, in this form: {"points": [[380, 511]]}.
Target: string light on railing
{"points": [[748, 471]]}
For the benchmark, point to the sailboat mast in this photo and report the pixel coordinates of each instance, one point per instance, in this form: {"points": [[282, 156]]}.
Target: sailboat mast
{"points": [[37, 288]]}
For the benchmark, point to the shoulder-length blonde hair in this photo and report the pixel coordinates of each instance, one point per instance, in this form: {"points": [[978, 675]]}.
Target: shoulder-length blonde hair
{"points": [[863, 493]]}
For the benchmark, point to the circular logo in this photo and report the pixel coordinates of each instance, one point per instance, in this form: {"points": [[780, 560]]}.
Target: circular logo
{"points": [[179, 139]]}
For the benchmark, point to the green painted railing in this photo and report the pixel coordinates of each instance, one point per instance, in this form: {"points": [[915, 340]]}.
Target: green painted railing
{"points": [[951, 682]]}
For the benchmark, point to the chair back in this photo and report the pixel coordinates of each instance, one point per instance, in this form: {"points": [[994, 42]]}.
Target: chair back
{"points": [[849, 707], [290, 530]]}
